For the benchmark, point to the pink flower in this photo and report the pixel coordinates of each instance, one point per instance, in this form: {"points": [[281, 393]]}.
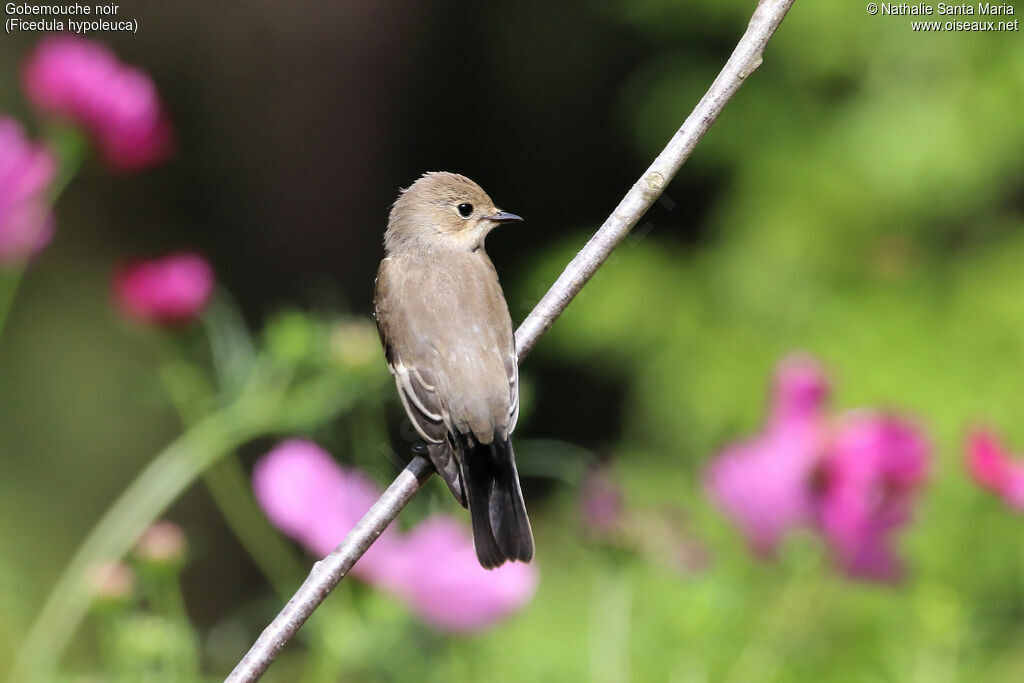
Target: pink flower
{"points": [[852, 479], [84, 82], [433, 568], [26, 171], [309, 497], [437, 574], [111, 582], [993, 468], [162, 544], [170, 290], [875, 464], [763, 483]]}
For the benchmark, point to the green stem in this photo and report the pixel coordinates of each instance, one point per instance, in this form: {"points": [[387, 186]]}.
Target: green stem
{"points": [[609, 635], [229, 488], [233, 356], [70, 146], [159, 484], [803, 596], [9, 281], [164, 595], [107, 634]]}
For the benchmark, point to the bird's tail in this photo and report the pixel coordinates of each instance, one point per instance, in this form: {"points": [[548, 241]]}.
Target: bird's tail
{"points": [[501, 529]]}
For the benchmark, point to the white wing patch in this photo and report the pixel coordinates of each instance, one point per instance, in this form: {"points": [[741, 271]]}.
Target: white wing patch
{"points": [[421, 403], [404, 377], [513, 392]]}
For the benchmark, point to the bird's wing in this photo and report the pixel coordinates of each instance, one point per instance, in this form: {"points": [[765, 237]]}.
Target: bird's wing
{"points": [[447, 355], [419, 396], [505, 344], [418, 391], [416, 385], [512, 370]]}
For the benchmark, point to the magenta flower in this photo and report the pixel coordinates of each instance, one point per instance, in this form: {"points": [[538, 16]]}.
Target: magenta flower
{"points": [[170, 290], [310, 498], [852, 479], [437, 574], [763, 483], [433, 568], [993, 468], [26, 171], [118, 105], [868, 480]]}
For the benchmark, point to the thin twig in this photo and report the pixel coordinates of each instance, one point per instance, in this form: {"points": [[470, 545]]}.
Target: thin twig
{"points": [[332, 569]]}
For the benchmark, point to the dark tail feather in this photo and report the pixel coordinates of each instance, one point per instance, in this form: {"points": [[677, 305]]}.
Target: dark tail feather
{"points": [[501, 529]]}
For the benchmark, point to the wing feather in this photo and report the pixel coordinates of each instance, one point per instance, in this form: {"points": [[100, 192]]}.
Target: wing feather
{"points": [[512, 369]]}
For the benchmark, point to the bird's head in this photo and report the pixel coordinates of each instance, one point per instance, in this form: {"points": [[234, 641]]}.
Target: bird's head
{"points": [[443, 210]]}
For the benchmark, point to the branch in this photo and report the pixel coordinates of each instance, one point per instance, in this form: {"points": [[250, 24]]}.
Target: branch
{"points": [[327, 573]]}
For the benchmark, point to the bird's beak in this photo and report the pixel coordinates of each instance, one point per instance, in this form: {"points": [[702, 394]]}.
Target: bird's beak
{"points": [[504, 217]]}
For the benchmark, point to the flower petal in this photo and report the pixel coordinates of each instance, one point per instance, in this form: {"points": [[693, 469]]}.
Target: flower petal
{"points": [[987, 459], [170, 290], [765, 484], [308, 496], [993, 467], [439, 577], [801, 391], [26, 171], [873, 469], [84, 82]]}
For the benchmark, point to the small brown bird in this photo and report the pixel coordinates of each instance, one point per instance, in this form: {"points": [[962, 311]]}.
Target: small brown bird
{"points": [[448, 339]]}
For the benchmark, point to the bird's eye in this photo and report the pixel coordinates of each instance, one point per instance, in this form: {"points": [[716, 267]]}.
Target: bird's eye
{"points": [[465, 210]]}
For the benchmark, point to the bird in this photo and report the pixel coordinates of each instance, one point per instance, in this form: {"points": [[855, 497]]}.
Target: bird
{"points": [[449, 342]]}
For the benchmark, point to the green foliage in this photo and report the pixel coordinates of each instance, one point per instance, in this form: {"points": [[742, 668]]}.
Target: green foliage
{"points": [[870, 219], [867, 210]]}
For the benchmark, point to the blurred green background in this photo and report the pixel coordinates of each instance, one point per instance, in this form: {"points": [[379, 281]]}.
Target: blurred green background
{"points": [[862, 198]]}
